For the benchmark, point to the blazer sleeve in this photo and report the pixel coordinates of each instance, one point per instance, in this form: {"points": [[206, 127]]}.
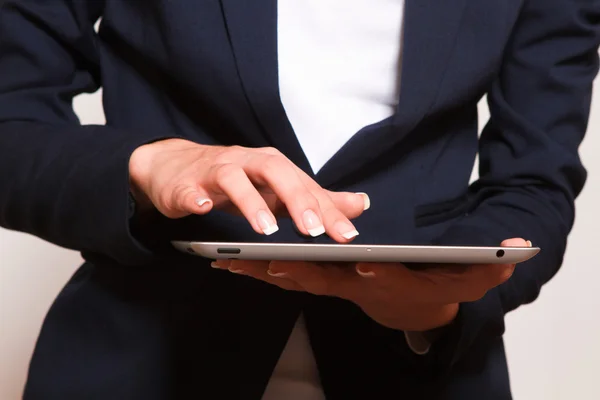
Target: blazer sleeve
{"points": [[530, 170], [61, 181]]}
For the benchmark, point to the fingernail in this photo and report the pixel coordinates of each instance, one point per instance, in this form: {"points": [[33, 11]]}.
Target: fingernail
{"points": [[276, 274], [529, 244], [266, 222], [366, 200], [365, 273], [202, 201], [236, 271], [312, 223], [346, 230], [215, 265]]}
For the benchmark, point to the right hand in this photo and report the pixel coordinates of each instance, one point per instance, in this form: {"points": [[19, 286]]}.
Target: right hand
{"points": [[180, 178]]}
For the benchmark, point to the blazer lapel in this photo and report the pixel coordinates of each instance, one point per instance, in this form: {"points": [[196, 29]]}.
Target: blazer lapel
{"points": [[430, 30], [252, 27]]}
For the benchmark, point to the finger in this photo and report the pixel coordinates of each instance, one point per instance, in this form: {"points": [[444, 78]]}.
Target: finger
{"points": [[231, 180], [392, 277], [337, 225], [341, 206], [307, 203], [476, 280], [516, 242], [443, 284], [480, 279], [320, 279], [278, 174], [486, 277], [467, 282], [462, 284], [383, 273], [500, 273], [352, 205], [273, 203], [259, 270], [335, 220], [185, 199]]}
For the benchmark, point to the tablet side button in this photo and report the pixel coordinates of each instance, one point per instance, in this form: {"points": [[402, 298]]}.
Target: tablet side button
{"points": [[229, 250]]}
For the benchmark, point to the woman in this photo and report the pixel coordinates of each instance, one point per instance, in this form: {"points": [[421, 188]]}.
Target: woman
{"points": [[289, 121]]}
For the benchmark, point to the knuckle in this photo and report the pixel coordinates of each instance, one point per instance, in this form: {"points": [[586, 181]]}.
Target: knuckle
{"points": [[167, 202], [273, 164], [229, 154], [271, 151], [237, 151], [227, 172], [326, 202], [332, 215], [304, 199], [178, 195]]}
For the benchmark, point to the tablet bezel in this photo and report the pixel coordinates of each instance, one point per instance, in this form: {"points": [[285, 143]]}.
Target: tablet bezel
{"points": [[358, 252]]}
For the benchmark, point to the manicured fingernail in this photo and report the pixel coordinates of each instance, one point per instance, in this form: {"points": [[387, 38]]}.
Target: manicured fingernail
{"points": [[277, 274], [364, 272], [350, 234], [346, 230], [215, 265], [266, 222], [202, 201], [366, 200], [529, 244], [236, 271], [312, 223]]}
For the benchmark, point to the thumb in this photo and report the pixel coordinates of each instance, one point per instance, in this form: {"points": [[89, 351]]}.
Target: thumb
{"points": [[516, 242]]}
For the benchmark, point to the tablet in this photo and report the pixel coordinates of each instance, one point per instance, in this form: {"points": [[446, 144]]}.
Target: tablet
{"points": [[358, 252]]}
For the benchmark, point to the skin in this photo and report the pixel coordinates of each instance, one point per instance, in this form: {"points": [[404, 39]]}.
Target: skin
{"points": [[391, 294], [180, 178]]}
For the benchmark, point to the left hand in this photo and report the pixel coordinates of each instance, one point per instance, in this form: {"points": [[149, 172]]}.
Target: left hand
{"points": [[391, 294]]}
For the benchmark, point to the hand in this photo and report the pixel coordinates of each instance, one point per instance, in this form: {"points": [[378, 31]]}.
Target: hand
{"points": [[180, 178], [391, 294]]}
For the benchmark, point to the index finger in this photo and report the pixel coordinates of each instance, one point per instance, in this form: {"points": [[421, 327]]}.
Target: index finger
{"points": [[350, 204]]}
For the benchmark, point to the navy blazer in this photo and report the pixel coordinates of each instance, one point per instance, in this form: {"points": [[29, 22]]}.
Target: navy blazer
{"points": [[140, 321]]}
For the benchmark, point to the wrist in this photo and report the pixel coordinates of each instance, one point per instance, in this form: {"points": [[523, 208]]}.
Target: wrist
{"points": [[141, 202], [140, 163]]}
